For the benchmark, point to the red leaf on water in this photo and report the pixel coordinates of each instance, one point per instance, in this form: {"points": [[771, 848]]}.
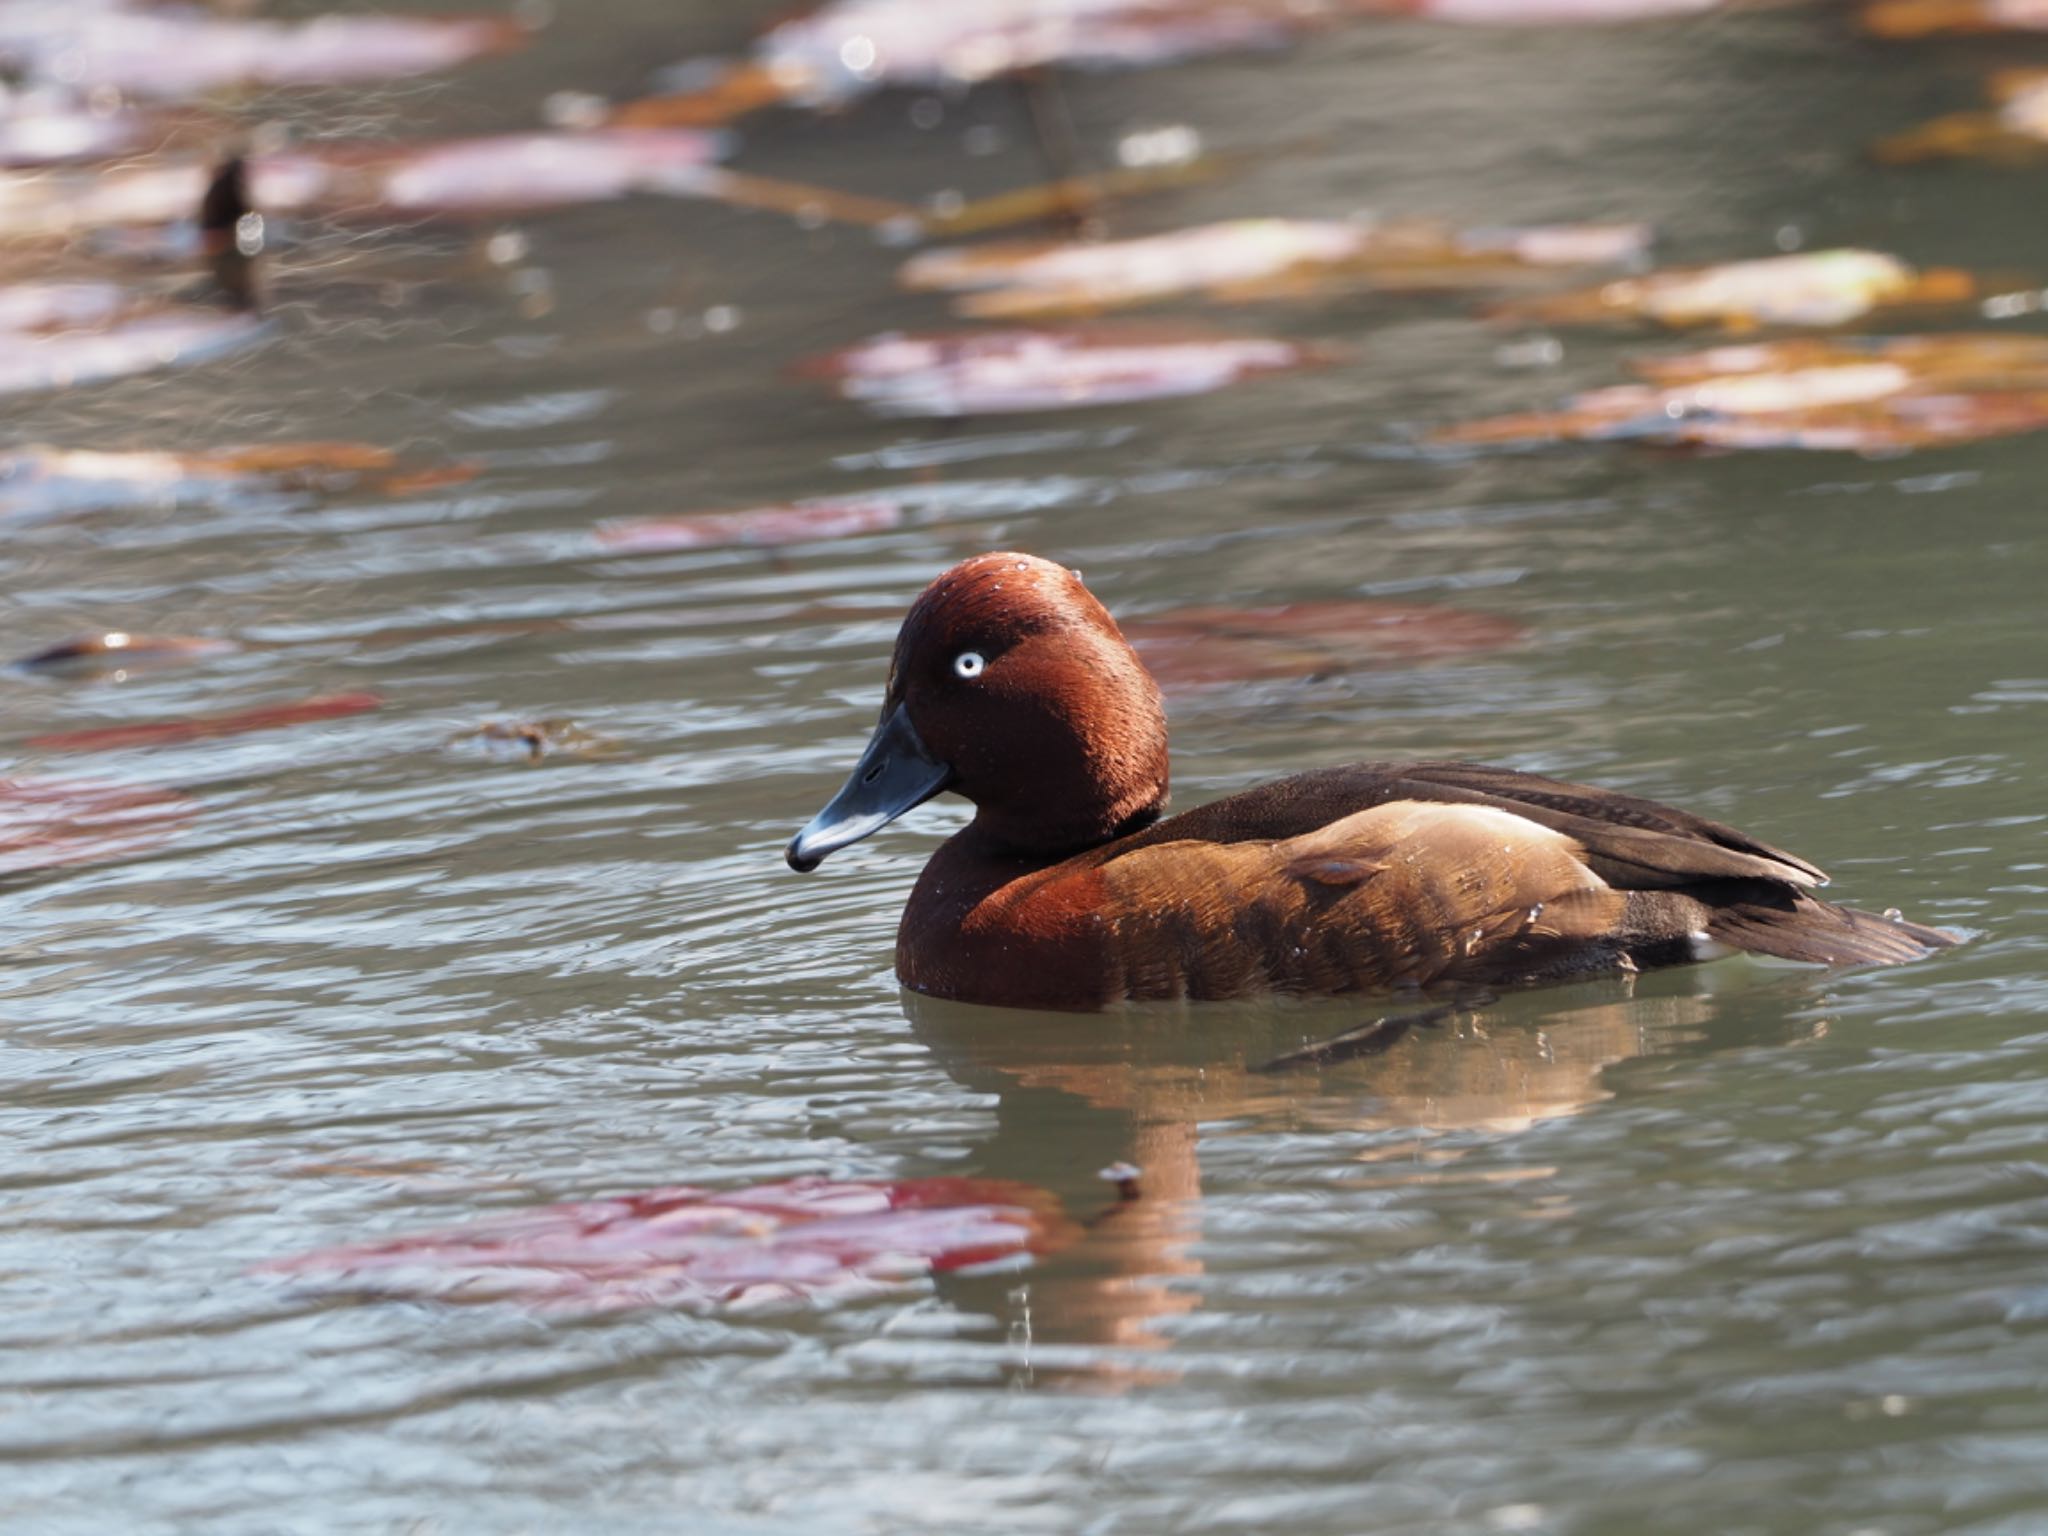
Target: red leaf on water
{"points": [[1210, 645], [49, 822], [328, 706], [801, 1240], [798, 523]]}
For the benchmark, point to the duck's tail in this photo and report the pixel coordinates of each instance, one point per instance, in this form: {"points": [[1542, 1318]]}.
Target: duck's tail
{"points": [[1794, 925]]}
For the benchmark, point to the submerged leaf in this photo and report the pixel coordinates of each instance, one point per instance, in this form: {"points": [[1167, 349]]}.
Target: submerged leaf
{"points": [[157, 733], [797, 523], [1815, 288], [805, 1240], [1256, 258], [1213, 644], [1869, 395], [971, 373], [45, 823]]}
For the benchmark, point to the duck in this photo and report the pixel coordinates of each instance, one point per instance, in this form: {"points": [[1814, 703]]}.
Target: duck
{"points": [[1072, 890]]}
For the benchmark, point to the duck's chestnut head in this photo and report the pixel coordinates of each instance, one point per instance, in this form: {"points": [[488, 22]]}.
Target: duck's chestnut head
{"points": [[1012, 686]]}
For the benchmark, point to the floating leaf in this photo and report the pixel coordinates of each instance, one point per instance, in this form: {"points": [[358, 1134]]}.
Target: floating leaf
{"points": [[542, 170], [973, 373], [40, 135], [2017, 131], [797, 523], [179, 51], [1544, 13], [45, 823], [1213, 644], [805, 1240], [1255, 258], [529, 741], [1875, 394], [1935, 18], [115, 651], [847, 48], [159, 339], [1815, 288], [158, 733], [43, 482], [58, 206]]}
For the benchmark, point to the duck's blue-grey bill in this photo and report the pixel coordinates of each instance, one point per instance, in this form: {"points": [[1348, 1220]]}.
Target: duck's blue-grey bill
{"points": [[893, 775]]}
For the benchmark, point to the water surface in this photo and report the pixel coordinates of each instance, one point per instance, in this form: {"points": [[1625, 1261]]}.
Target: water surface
{"points": [[1740, 1248]]}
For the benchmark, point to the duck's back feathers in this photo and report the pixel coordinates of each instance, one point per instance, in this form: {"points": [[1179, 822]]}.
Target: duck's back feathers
{"points": [[1632, 843]]}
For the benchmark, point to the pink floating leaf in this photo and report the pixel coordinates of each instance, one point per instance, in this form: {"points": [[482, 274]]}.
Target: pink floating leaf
{"points": [[800, 522], [49, 134], [1213, 644], [1256, 258], [542, 170], [1545, 13], [968, 373], [158, 733], [1844, 394], [1811, 288], [173, 51], [45, 823], [152, 340], [802, 1240]]}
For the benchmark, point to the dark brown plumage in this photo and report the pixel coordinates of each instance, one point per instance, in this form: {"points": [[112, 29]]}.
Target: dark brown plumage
{"points": [[1012, 685]]}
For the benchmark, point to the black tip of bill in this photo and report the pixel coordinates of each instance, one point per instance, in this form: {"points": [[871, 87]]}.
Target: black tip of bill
{"points": [[893, 775]]}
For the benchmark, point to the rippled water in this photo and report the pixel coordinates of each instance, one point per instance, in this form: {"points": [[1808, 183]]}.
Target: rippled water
{"points": [[1737, 1249]]}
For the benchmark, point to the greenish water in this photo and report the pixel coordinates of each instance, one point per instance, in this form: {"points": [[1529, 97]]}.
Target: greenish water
{"points": [[1738, 1249]]}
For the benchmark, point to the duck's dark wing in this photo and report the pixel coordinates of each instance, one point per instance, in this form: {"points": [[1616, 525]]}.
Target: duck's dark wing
{"points": [[1684, 877], [1631, 843]]}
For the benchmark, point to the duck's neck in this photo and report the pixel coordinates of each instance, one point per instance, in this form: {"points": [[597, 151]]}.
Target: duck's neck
{"points": [[1036, 838]]}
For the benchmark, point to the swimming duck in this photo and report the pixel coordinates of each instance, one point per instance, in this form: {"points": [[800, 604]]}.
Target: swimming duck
{"points": [[1013, 687]]}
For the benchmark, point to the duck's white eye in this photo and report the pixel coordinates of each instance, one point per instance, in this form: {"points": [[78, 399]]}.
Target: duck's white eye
{"points": [[969, 664]]}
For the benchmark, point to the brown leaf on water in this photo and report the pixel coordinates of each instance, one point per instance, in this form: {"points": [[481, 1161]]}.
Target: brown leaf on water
{"points": [[1813, 289], [530, 741], [1951, 18], [2016, 133], [1867, 395], [734, 90], [1213, 645], [1249, 259], [971, 373]]}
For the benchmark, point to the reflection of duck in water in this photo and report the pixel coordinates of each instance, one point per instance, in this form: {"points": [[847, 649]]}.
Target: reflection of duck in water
{"points": [[1011, 685], [1072, 1098]]}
